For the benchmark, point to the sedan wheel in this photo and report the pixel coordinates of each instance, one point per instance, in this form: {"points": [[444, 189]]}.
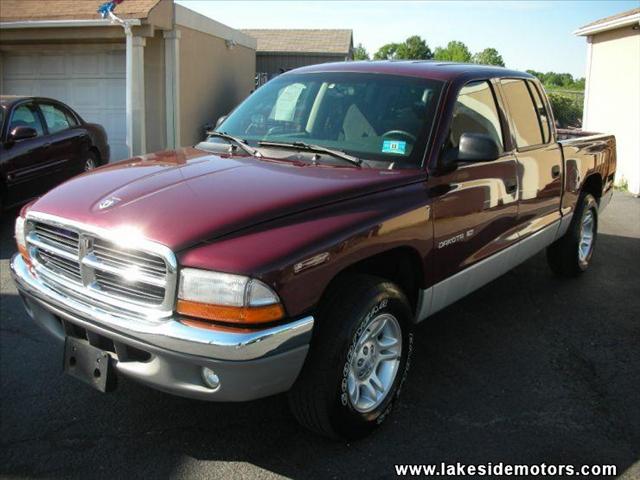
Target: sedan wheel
{"points": [[90, 164]]}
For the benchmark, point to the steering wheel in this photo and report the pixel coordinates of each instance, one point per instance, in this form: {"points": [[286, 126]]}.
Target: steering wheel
{"points": [[400, 132]]}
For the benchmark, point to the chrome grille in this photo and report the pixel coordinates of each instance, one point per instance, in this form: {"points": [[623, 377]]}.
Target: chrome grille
{"points": [[134, 290], [60, 265], [94, 266], [61, 237], [110, 254]]}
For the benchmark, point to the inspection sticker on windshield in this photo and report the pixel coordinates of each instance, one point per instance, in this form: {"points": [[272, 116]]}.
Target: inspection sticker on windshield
{"points": [[394, 146]]}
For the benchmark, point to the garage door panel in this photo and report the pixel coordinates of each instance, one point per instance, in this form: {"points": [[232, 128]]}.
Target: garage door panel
{"points": [[87, 93], [19, 87], [92, 83], [20, 65], [85, 64], [52, 65], [115, 64], [115, 92], [57, 89]]}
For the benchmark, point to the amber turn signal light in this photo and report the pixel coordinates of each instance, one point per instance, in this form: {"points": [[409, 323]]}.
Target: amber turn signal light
{"points": [[244, 315]]}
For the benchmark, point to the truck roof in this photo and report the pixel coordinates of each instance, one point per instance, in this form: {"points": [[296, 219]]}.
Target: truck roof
{"points": [[433, 69]]}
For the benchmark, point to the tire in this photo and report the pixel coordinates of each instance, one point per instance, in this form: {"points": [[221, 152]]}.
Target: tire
{"points": [[322, 399], [571, 255], [92, 161]]}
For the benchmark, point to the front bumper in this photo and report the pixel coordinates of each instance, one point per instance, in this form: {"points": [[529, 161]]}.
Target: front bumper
{"points": [[249, 363]]}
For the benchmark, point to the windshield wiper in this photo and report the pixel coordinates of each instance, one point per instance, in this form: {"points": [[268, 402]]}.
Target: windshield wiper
{"points": [[315, 148], [237, 141]]}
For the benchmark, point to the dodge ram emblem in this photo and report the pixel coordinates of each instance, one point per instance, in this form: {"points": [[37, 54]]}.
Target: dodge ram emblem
{"points": [[108, 202]]}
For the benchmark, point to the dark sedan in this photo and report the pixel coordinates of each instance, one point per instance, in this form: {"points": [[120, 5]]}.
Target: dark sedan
{"points": [[43, 143]]}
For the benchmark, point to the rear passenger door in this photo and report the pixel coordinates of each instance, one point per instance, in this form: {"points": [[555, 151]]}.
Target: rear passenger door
{"points": [[539, 159], [475, 216], [67, 142]]}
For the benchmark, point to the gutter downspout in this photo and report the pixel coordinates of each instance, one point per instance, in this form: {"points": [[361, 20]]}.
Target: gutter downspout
{"points": [[134, 86]]}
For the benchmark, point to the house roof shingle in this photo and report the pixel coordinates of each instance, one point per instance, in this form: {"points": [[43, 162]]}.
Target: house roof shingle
{"points": [[322, 41], [18, 10], [627, 13]]}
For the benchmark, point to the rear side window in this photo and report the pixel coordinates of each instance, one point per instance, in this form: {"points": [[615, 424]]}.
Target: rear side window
{"points": [[475, 112], [26, 116], [523, 113], [545, 121], [57, 119]]}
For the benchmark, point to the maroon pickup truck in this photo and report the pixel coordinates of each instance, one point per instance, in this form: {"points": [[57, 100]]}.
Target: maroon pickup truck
{"points": [[298, 246]]}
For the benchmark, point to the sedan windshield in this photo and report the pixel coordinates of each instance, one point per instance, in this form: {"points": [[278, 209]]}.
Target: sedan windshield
{"points": [[375, 117]]}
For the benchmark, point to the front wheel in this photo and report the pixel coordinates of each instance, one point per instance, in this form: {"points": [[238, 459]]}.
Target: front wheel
{"points": [[571, 255], [358, 361]]}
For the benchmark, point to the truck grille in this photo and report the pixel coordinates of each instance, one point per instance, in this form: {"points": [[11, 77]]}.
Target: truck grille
{"points": [[99, 270]]}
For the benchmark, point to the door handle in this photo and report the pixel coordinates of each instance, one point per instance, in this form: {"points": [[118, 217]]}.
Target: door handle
{"points": [[555, 171], [46, 145]]}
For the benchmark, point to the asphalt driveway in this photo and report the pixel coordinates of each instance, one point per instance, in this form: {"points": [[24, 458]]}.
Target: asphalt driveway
{"points": [[529, 369]]}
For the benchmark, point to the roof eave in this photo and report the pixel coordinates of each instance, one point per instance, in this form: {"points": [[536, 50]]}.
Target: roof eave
{"points": [[302, 53], [65, 23], [610, 25]]}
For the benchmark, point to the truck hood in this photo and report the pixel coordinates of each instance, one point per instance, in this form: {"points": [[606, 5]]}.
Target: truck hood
{"points": [[179, 198]]}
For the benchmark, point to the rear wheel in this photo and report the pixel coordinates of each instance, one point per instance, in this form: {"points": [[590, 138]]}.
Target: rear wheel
{"points": [[91, 162], [358, 360], [571, 255]]}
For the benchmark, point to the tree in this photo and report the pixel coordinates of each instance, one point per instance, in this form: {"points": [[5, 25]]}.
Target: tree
{"points": [[559, 80], [566, 110], [360, 53], [413, 48], [454, 52], [386, 52], [488, 56]]}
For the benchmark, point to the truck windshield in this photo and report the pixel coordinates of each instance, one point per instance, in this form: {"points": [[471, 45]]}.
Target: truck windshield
{"points": [[377, 117]]}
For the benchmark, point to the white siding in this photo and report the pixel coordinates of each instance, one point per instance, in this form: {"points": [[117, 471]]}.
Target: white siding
{"points": [[612, 103]]}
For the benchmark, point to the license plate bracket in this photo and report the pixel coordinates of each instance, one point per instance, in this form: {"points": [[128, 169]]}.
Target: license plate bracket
{"points": [[89, 364]]}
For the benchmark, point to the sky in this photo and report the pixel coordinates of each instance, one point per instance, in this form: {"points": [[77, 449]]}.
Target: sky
{"points": [[528, 34]]}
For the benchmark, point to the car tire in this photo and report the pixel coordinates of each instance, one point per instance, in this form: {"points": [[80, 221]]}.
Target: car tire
{"points": [[92, 161], [335, 394], [571, 255]]}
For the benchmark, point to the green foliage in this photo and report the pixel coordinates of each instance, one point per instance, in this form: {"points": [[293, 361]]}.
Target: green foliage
{"points": [[488, 56], [386, 52], [360, 53], [455, 51], [413, 48], [559, 80], [567, 110], [622, 185]]}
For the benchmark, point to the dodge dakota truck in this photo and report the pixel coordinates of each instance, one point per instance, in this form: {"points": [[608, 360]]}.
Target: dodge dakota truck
{"points": [[297, 247]]}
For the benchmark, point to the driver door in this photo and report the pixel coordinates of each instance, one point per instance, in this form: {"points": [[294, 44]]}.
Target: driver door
{"points": [[27, 171], [476, 211]]}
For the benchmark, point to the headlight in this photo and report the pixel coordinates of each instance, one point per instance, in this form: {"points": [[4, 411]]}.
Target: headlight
{"points": [[226, 297], [21, 240]]}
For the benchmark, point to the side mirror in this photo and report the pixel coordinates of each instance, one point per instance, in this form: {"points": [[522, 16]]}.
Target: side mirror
{"points": [[22, 133], [477, 147], [221, 120]]}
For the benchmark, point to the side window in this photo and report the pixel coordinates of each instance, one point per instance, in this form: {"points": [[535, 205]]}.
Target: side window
{"points": [[26, 116], [523, 112], [475, 112], [56, 118], [545, 121]]}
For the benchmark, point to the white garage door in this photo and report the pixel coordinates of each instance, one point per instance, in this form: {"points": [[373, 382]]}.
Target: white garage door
{"points": [[91, 80]]}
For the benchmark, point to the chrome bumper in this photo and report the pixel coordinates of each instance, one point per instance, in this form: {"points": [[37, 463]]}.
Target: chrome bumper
{"points": [[250, 364]]}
